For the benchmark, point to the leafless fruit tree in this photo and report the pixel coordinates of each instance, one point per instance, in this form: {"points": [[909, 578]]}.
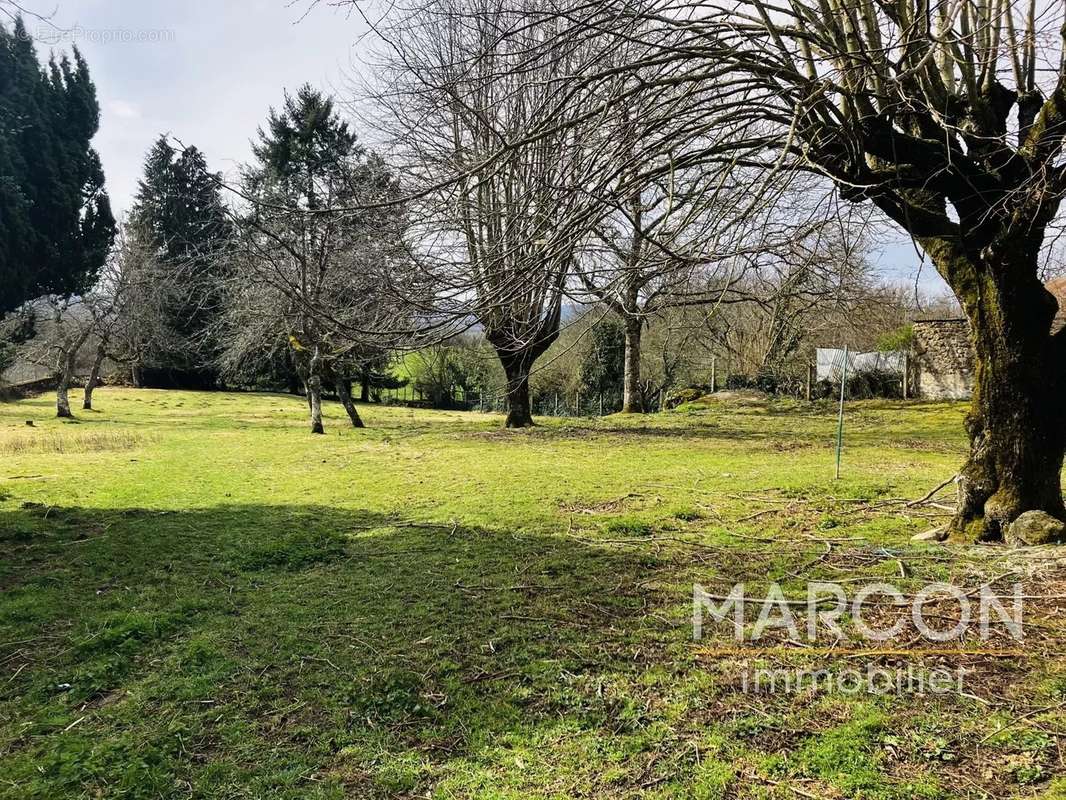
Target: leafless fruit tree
{"points": [[307, 277]]}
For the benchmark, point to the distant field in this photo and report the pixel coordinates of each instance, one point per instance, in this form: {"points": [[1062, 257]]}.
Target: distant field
{"points": [[200, 599]]}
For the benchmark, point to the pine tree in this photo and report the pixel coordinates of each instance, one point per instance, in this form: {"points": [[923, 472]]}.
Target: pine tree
{"points": [[179, 208], [56, 225], [303, 142]]}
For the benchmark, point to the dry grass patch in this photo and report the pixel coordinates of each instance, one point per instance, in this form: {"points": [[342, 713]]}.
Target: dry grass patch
{"points": [[64, 442]]}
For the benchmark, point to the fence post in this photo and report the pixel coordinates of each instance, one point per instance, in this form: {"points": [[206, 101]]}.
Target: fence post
{"points": [[810, 382], [906, 375], [556, 404], [840, 421]]}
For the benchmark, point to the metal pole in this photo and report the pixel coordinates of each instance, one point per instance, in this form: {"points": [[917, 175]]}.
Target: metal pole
{"points": [[840, 419]]}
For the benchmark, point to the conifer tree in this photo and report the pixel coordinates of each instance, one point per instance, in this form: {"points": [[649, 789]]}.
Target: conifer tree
{"points": [[179, 208], [56, 225]]}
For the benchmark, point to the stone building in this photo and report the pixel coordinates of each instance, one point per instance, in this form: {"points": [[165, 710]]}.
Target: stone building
{"points": [[943, 360], [943, 365]]}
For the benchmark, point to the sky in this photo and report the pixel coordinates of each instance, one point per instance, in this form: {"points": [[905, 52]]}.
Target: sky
{"points": [[206, 72]]}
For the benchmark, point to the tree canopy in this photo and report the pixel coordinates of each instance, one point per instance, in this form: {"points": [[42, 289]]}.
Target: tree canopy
{"points": [[56, 225]]}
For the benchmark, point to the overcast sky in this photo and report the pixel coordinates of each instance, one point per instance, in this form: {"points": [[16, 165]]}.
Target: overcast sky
{"points": [[207, 71]]}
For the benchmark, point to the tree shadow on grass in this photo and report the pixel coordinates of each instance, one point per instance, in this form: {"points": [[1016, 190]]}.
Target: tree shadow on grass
{"points": [[281, 651]]}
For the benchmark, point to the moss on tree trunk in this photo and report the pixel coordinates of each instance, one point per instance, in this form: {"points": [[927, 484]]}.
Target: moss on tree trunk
{"points": [[1016, 425]]}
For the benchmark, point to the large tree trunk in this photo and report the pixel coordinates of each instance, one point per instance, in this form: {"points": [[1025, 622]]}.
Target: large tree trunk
{"points": [[94, 378], [364, 388], [314, 402], [632, 399], [344, 394], [1017, 424], [517, 367]]}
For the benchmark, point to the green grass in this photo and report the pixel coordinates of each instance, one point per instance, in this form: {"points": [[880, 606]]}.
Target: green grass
{"points": [[200, 599]]}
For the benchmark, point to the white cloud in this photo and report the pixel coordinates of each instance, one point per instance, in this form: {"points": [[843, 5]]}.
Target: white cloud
{"points": [[121, 109]]}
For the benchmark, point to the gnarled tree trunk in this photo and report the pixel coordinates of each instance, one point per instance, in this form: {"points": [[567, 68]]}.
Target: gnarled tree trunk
{"points": [[68, 359], [63, 381], [344, 394], [632, 399], [517, 367], [1017, 422]]}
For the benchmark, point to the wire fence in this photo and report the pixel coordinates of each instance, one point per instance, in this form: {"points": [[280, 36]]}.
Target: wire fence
{"points": [[557, 404]]}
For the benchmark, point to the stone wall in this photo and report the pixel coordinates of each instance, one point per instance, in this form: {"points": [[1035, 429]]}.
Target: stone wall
{"points": [[943, 359]]}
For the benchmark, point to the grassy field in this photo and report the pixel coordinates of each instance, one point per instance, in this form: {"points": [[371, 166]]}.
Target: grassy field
{"points": [[199, 599]]}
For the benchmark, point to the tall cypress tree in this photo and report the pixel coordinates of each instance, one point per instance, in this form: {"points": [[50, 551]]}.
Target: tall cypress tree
{"points": [[179, 208], [56, 225]]}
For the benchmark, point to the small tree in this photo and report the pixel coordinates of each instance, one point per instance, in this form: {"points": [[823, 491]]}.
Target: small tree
{"points": [[309, 272], [64, 328]]}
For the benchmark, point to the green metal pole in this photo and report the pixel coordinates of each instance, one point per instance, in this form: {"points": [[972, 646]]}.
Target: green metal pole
{"points": [[840, 418]]}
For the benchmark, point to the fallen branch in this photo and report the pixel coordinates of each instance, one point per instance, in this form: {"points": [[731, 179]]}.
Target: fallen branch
{"points": [[934, 492]]}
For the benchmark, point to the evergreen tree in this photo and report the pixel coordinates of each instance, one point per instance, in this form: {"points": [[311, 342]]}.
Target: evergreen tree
{"points": [[56, 225], [603, 367], [179, 209], [301, 144]]}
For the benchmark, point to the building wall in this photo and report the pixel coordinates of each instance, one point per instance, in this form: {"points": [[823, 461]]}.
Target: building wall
{"points": [[25, 372], [944, 360]]}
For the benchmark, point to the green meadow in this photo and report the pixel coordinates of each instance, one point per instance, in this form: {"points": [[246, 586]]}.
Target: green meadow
{"points": [[199, 599]]}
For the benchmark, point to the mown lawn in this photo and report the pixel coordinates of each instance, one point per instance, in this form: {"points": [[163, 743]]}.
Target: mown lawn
{"points": [[200, 599]]}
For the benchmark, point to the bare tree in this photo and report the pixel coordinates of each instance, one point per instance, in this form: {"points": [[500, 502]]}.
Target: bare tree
{"points": [[949, 117], [138, 288], [65, 325], [499, 225], [309, 271]]}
